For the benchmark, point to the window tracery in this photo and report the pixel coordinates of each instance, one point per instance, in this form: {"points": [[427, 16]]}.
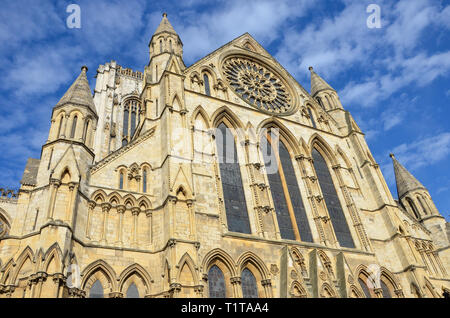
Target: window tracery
{"points": [[257, 85]]}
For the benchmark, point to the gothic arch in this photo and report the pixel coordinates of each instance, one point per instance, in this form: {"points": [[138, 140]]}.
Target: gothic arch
{"points": [[297, 290], [7, 271], [176, 103], [316, 141], [114, 199], [204, 115], [223, 257], [186, 260], [354, 291], [390, 278], [99, 270], [430, 288], [99, 196], [326, 291], [135, 273], [210, 71], [129, 201], [144, 202], [53, 256], [27, 255], [4, 217], [251, 258], [285, 134], [225, 113]]}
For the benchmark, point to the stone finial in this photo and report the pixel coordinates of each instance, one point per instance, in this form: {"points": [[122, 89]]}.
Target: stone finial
{"points": [[164, 15], [311, 68], [84, 68], [391, 155]]}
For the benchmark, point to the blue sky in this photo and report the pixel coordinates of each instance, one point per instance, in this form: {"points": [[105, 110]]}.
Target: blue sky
{"points": [[394, 80]]}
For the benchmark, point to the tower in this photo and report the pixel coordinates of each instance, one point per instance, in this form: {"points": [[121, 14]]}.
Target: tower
{"points": [[415, 198]]}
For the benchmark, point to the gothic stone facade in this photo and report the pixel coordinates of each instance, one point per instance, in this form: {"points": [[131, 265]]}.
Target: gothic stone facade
{"points": [[129, 197]]}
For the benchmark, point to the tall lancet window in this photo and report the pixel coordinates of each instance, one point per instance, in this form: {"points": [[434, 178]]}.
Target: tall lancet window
{"points": [[207, 87], [311, 116], [216, 283], [144, 181], [230, 174], [133, 120], [288, 203], [60, 126], [126, 116], [319, 100], [332, 202], [85, 131], [249, 286], [74, 127]]}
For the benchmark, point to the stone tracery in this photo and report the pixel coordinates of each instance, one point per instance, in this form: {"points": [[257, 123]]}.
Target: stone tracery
{"points": [[257, 85]]}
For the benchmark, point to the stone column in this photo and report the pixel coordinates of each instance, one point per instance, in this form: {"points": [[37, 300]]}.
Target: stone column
{"points": [[54, 185], [148, 213], [135, 211], [267, 285], [71, 206], [236, 284], [91, 207], [59, 280], [106, 207], [192, 232], [121, 210]]}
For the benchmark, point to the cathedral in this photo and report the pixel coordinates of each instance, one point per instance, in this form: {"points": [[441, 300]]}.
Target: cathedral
{"points": [[222, 179]]}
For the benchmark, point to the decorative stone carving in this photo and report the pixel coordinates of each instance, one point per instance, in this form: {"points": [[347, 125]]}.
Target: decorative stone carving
{"points": [[257, 85]]}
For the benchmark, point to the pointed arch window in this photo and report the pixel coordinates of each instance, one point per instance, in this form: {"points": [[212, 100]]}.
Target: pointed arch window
{"points": [[319, 100], [385, 290], [216, 283], [230, 174], [364, 287], [85, 131], [249, 286], [133, 121], [74, 127], [144, 181], [121, 181], [422, 205], [413, 207], [132, 291], [289, 208], [332, 201], [60, 126], [160, 46], [170, 45], [96, 290], [207, 87], [313, 122], [126, 115]]}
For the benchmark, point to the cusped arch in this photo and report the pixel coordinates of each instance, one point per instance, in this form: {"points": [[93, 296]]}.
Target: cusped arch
{"points": [[200, 111], [7, 270], [297, 290], [223, 257], [144, 203], [89, 277], [186, 260], [139, 271], [99, 196], [114, 199], [26, 255], [253, 259], [53, 254]]}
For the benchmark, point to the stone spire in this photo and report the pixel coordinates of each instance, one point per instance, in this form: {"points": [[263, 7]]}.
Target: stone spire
{"points": [[406, 182], [165, 26], [317, 83], [79, 93]]}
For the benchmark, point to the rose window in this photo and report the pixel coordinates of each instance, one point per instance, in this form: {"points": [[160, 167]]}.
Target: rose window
{"points": [[257, 85]]}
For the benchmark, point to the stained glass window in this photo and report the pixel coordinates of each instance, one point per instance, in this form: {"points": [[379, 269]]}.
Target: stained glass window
{"points": [[96, 290], [121, 181], [132, 291], [144, 181], [126, 113], [216, 282], [385, 289], [248, 282], [230, 174], [332, 201], [281, 180], [207, 87], [133, 122], [364, 287]]}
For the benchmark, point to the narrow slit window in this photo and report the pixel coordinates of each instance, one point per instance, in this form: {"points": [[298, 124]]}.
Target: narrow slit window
{"points": [[207, 88], [311, 116], [74, 127]]}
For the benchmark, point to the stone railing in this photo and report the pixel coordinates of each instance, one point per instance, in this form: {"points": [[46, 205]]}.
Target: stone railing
{"points": [[8, 194]]}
